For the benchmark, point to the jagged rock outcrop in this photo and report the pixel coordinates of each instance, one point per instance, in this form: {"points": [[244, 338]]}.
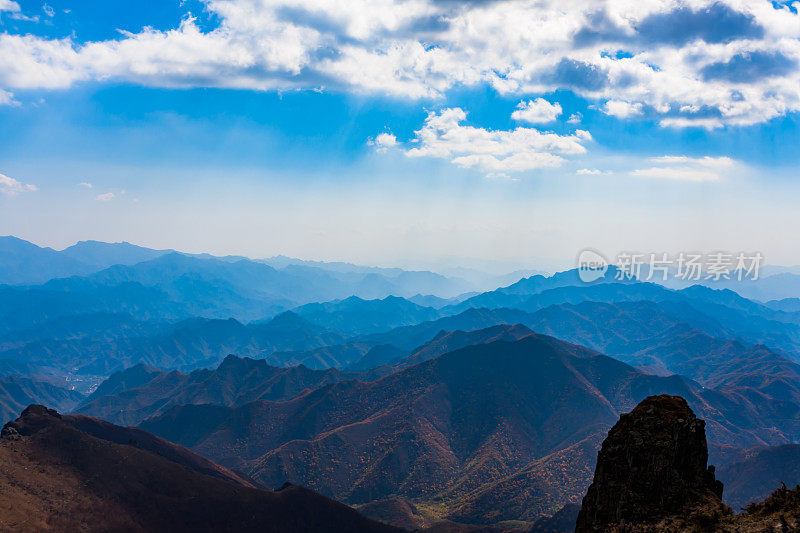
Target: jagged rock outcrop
{"points": [[652, 466], [651, 477]]}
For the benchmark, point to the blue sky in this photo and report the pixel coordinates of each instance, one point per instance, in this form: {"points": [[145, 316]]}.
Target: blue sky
{"points": [[417, 133]]}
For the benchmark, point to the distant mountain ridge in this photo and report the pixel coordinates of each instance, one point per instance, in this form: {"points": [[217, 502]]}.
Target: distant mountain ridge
{"points": [[133, 395], [354, 316], [93, 277], [22, 262], [188, 344]]}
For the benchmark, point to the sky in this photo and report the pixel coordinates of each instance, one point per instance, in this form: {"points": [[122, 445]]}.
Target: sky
{"points": [[418, 133]]}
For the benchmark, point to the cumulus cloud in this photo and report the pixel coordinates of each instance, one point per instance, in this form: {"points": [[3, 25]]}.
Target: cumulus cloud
{"points": [[85, 184], [591, 172], [492, 151], [701, 63], [11, 187], [9, 5], [538, 111], [7, 98], [105, 197], [383, 142], [620, 109]]}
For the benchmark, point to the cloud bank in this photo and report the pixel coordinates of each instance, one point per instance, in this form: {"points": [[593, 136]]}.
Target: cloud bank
{"points": [[685, 63]]}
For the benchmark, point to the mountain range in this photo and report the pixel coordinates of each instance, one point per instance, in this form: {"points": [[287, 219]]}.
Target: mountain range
{"points": [[418, 407], [457, 435], [296, 281]]}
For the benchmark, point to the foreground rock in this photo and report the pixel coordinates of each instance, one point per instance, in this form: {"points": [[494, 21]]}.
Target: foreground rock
{"points": [[651, 476]]}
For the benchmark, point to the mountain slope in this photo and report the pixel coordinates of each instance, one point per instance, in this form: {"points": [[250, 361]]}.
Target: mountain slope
{"points": [[448, 341], [115, 486], [17, 392], [236, 381], [721, 313], [411, 337], [25, 308], [754, 476], [439, 432]]}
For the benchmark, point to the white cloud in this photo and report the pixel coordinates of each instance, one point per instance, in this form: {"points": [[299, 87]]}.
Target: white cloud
{"points": [[591, 172], [707, 161], [620, 109], [7, 98], [383, 141], [676, 173], [9, 5], [575, 118], [85, 184], [493, 151], [706, 74], [686, 122], [538, 111], [685, 168], [12, 187], [500, 176], [105, 197]]}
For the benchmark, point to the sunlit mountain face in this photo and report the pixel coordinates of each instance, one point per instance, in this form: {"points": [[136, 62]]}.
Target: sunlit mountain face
{"points": [[399, 265]]}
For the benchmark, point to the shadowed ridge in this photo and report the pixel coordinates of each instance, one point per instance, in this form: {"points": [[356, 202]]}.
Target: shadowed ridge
{"points": [[56, 476], [151, 443], [448, 341]]}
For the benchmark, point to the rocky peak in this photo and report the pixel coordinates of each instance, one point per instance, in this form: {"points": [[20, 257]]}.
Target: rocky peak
{"points": [[651, 466], [33, 419]]}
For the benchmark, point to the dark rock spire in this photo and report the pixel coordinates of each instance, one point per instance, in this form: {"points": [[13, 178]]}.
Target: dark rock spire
{"points": [[652, 466]]}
